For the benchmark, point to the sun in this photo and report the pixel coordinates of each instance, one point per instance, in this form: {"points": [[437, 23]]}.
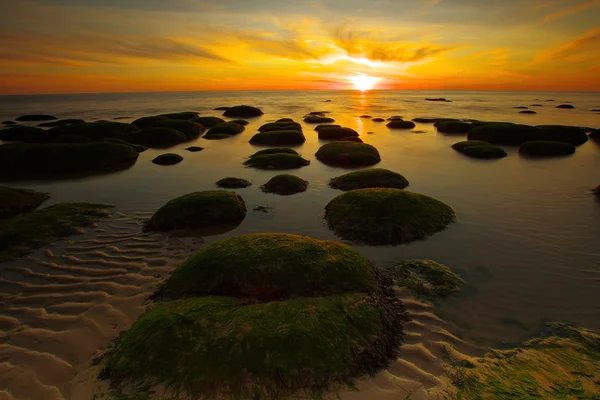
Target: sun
{"points": [[363, 82]]}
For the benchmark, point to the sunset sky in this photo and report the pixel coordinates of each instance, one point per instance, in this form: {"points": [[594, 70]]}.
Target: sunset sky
{"points": [[69, 46]]}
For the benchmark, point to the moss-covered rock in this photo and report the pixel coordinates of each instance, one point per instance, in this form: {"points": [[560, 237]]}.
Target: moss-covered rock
{"points": [[23, 233], [186, 115], [460, 146], [60, 122], [326, 126], [75, 139], [226, 128], [352, 139], [27, 134], [316, 312], [156, 137], [275, 150], [595, 135], [336, 133], [426, 278], [527, 112], [136, 147], [440, 99], [505, 133], [24, 161], [378, 120], [543, 148], [189, 128], [35, 117], [198, 210], [561, 133], [95, 130], [562, 363], [348, 154], [454, 127], [209, 122], [285, 185], [395, 117], [318, 119], [565, 106], [369, 178], [233, 183], [168, 159], [477, 149], [277, 161], [194, 149], [14, 201], [241, 122], [278, 138], [243, 112], [382, 216], [400, 124], [216, 136], [280, 126], [222, 108], [8, 123]]}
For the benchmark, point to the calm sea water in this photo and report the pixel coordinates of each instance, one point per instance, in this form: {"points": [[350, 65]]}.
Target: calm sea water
{"points": [[528, 237]]}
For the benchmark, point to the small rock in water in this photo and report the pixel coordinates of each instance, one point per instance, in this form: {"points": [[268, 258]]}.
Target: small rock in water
{"points": [[370, 133], [263, 209], [13, 122], [194, 149], [527, 112], [441, 99], [521, 107], [566, 106], [365, 116], [419, 131]]}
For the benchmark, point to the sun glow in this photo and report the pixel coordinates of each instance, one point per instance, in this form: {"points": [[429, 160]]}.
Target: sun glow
{"points": [[363, 82]]}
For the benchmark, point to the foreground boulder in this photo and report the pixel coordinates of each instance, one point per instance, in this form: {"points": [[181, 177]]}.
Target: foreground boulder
{"points": [[384, 216], [14, 201], [243, 112], [265, 302], [278, 138], [27, 134], [35, 117], [198, 210], [285, 185], [348, 154], [24, 161], [505, 133], [479, 149], [168, 159], [369, 178], [156, 137], [543, 148]]}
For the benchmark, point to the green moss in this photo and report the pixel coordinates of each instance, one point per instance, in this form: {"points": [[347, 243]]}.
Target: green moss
{"points": [[198, 210], [243, 112], [22, 160], [382, 216], [209, 122], [336, 133], [326, 126], [460, 146], [226, 128], [94, 130], [27, 134], [23, 233], [241, 122], [561, 364], [276, 161], [546, 149], [156, 137], [400, 124], [136, 147], [281, 125], [505, 133], [36, 117], [317, 119], [278, 138], [186, 115], [348, 154], [60, 122], [285, 185], [426, 278], [484, 151], [14, 201], [168, 159], [369, 178], [233, 183], [276, 150], [189, 128], [561, 133], [454, 127]]}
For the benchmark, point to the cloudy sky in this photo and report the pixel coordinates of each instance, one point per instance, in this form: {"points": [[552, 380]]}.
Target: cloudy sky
{"points": [[66, 46]]}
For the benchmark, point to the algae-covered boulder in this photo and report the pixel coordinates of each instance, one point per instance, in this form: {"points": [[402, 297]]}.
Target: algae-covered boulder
{"points": [[276, 161], [226, 128], [60, 122], [167, 159], [454, 127], [216, 136], [479, 149], [505, 133], [352, 139], [280, 126], [400, 124], [369, 178], [293, 315], [595, 135], [14, 201], [136, 147], [326, 126], [275, 150], [189, 128], [336, 133], [348, 154], [241, 122], [233, 183], [9, 123], [95, 130], [278, 138], [23, 160], [186, 115], [27, 134], [426, 278], [209, 122], [285, 185], [382, 216], [198, 210], [564, 106], [35, 117], [76, 139], [243, 112], [156, 137], [460, 146], [561, 133], [543, 148], [318, 119]]}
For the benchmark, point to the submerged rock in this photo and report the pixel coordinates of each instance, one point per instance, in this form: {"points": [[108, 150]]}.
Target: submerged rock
{"points": [[276, 150], [13, 122], [439, 99], [426, 278], [378, 120], [520, 108], [35, 117], [543, 148], [168, 159], [226, 129], [536, 105], [369, 178], [285, 185], [365, 116], [186, 115], [263, 209], [233, 183], [221, 108], [243, 112], [241, 122], [14, 201], [348, 154], [561, 133], [382, 216]]}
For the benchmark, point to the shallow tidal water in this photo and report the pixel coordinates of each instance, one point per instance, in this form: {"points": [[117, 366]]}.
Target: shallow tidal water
{"points": [[527, 239]]}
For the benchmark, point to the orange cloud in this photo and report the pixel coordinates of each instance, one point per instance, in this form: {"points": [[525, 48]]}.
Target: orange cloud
{"points": [[588, 42], [566, 12]]}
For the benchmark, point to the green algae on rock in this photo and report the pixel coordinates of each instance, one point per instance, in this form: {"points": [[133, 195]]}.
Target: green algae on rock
{"points": [[275, 150], [369, 178], [562, 133], [454, 127], [167, 159], [278, 138], [505, 133], [276, 161], [426, 278], [226, 128], [285, 185], [233, 183], [136, 147], [208, 122], [348, 154], [318, 119], [157, 137], [382, 216], [23, 233], [242, 112], [336, 133], [479, 149], [198, 210], [14, 201], [543, 148]]}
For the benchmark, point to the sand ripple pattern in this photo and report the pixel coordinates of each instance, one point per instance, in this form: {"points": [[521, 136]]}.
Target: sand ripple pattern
{"points": [[61, 305]]}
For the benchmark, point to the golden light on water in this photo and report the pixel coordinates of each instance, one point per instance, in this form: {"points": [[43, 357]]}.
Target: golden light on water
{"points": [[363, 82]]}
